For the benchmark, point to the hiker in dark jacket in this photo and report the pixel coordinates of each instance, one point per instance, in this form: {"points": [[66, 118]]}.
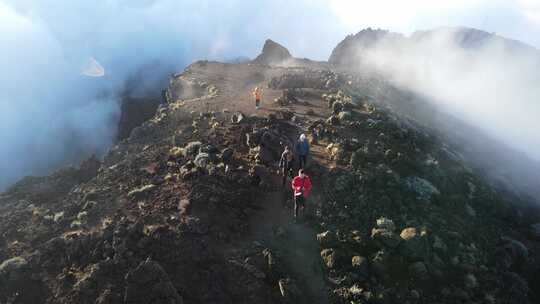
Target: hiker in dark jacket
{"points": [[255, 179], [302, 150], [286, 164]]}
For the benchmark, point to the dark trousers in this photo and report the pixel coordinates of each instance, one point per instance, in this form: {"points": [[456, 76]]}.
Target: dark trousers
{"points": [[257, 102], [302, 161], [299, 202], [287, 171]]}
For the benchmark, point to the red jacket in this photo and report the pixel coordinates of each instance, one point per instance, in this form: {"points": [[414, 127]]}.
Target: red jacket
{"points": [[297, 185]]}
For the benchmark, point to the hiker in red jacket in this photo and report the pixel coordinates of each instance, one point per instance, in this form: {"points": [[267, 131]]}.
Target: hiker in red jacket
{"points": [[301, 186]]}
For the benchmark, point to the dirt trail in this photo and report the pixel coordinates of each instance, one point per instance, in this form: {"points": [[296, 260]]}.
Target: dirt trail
{"points": [[273, 226]]}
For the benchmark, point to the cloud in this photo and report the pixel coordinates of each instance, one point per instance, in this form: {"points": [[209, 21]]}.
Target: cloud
{"points": [[395, 15], [52, 113], [531, 9], [516, 19], [493, 87]]}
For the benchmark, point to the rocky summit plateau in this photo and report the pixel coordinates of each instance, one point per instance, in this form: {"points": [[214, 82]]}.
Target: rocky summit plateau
{"points": [[187, 206]]}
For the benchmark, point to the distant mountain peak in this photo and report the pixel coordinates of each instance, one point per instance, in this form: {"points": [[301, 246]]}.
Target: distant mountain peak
{"points": [[273, 53]]}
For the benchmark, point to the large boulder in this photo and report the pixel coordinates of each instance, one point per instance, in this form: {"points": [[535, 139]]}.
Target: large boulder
{"points": [[383, 235], [202, 160], [330, 257], [13, 270], [227, 154], [344, 116], [273, 53], [192, 148]]}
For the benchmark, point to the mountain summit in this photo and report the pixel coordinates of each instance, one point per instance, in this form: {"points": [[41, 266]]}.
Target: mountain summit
{"points": [[273, 53]]}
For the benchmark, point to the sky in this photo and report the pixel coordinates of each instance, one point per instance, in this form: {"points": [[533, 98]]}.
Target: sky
{"points": [[65, 62]]}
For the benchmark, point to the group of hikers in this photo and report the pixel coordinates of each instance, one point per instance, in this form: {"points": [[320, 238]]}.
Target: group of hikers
{"points": [[301, 184]]}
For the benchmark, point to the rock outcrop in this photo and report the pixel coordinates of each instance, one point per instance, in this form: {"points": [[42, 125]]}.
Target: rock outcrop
{"points": [[273, 53], [349, 52]]}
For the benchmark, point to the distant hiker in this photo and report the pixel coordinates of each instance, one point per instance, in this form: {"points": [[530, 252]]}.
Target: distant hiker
{"points": [[302, 150], [286, 163], [255, 179], [315, 136], [301, 186], [257, 93]]}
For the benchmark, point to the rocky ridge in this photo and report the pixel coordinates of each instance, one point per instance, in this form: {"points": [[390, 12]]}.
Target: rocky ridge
{"points": [[188, 209]]}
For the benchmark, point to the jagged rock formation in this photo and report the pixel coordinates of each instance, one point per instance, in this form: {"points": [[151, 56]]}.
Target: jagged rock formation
{"points": [[273, 53], [188, 208], [471, 39], [349, 52]]}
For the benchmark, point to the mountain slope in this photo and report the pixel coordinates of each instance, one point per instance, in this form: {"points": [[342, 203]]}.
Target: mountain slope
{"points": [[175, 213]]}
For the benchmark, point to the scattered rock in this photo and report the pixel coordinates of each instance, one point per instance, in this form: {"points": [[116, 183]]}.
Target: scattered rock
{"points": [[238, 118], [387, 224], [288, 289], [327, 239], [192, 148], [176, 152], [470, 281], [360, 266], [344, 116], [142, 192], [330, 257]]}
